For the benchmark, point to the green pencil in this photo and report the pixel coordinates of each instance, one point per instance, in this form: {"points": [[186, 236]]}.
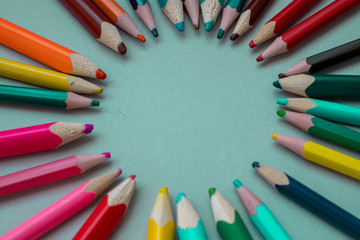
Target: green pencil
{"points": [[323, 128], [44, 97], [328, 110], [321, 85], [227, 219]]}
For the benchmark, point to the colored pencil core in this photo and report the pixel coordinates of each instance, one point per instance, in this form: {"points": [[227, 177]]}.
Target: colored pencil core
{"points": [[281, 113], [141, 38], [277, 84], [212, 191], [107, 154], [274, 136], [281, 75], [180, 26], [237, 183], [259, 58], [132, 176], [95, 103], [209, 26], [252, 44], [164, 190], [179, 197], [122, 48], [234, 36], [88, 128], [100, 74], [255, 164], [155, 32], [282, 101], [220, 33], [98, 91]]}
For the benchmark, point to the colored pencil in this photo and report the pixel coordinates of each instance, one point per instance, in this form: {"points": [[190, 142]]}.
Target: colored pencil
{"points": [[109, 212], [161, 225], [192, 8], [143, 9], [309, 199], [227, 220], [96, 23], [174, 11], [324, 59], [210, 10], [62, 209], [47, 52], [248, 17], [321, 128], [46, 78], [308, 27], [44, 98], [49, 172], [281, 21], [40, 137], [231, 11], [328, 110], [321, 85], [120, 17], [260, 214], [321, 155], [190, 226]]}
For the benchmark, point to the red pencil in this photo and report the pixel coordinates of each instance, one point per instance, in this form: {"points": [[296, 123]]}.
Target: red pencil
{"points": [[281, 21], [306, 28], [109, 213], [96, 23]]}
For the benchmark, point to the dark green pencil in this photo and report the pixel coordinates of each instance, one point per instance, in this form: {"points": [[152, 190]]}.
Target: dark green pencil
{"points": [[321, 85]]}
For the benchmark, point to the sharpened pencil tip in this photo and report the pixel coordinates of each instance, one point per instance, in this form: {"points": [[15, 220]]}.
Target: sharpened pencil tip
{"points": [[119, 171], [196, 26], [122, 48], [88, 128], [155, 32], [282, 101], [141, 38], [252, 44], [281, 75], [95, 103], [255, 164], [212, 191], [277, 84], [274, 136], [180, 26], [100, 74], [259, 58], [164, 190], [179, 197], [107, 154], [281, 113], [132, 176], [220, 33], [237, 183], [98, 91], [209, 26], [234, 36]]}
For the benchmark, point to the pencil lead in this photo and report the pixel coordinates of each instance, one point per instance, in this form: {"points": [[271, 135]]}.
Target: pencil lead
{"points": [[212, 191], [141, 38], [122, 48], [88, 128], [277, 84], [255, 164], [252, 44], [179, 197], [107, 154], [95, 103], [259, 58], [98, 91], [220, 33], [209, 26], [234, 36], [164, 190], [282, 101], [180, 26], [132, 176], [281, 113], [100, 74], [155, 32], [237, 183], [274, 136], [196, 26], [281, 75]]}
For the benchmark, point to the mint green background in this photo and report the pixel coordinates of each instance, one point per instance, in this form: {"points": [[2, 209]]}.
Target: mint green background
{"points": [[185, 110]]}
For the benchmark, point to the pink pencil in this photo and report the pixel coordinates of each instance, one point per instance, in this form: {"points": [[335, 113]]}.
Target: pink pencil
{"points": [[49, 172], [62, 209], [192, 7], [40, 137]]}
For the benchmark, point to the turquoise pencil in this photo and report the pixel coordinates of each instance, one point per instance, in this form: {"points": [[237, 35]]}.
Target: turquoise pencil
{"points": [[210, 10], [332, 111], [190, 226], [260, 214], [174, 11]]}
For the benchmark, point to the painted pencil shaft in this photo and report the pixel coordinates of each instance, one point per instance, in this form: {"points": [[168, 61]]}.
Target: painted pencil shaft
{"points": [[324, 129], [143, 9], [210, 10], [192, 8], [40, 137], [282, 20], [260, 214], [96, 23], [49, 172], [321, 85], [231, 11], [248, 17], [324, 59], [108, 213], [161, 225], [190, 225], [174, 11], [61, 210], [228, 221], [46, 78], [47, 52], [328, 110], [44, 98], [321, 155], [309, 199]]}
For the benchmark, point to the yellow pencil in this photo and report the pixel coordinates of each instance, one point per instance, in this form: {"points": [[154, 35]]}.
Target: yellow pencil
{"points": [[321, 155], [161, 224], [46, 78]]}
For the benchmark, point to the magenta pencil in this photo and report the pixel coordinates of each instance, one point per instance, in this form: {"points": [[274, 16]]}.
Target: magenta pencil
{"points": [[49, 172], [62, 209], [40, 137]]}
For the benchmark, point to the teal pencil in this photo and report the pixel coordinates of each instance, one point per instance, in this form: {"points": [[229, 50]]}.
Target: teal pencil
{"points": [[328, 110], [231, 11], [190, 226], [260, 214], [210, 10], [44, 97], [174, 11]]}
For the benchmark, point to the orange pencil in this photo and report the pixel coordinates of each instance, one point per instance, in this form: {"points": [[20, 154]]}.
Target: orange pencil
{"points": [[46, 51]]}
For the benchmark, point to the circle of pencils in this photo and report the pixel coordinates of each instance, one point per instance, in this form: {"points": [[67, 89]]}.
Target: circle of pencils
{"points": [[231, 11], [64, 208], [324, 129], [40, 137], [143, 9], [309, 199], [47, 52], [49, 172], [109, 212]]}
